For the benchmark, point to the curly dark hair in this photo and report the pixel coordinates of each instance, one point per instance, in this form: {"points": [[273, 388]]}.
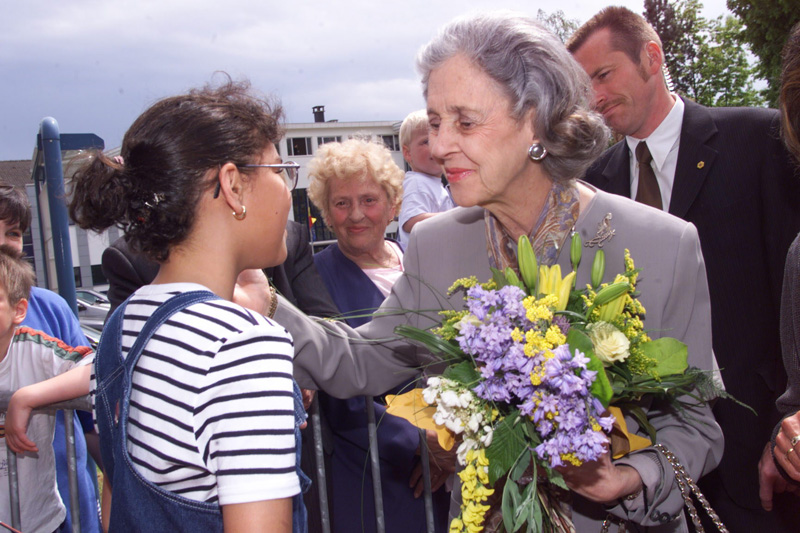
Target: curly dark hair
{"points": [[168, 153]]}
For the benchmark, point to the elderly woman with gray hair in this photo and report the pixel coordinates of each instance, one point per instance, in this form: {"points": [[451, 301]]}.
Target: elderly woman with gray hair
{"points": [[512, 128]]}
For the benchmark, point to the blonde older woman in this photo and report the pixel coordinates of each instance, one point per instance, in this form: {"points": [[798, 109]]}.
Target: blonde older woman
{"points": [[358, 188], [512, 126]]}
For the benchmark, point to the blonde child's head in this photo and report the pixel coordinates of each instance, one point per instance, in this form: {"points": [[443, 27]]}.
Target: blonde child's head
{"points": [[16, 280], [414, 140]]}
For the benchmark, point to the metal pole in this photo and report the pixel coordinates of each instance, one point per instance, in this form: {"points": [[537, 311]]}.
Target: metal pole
{"points": [[13, 487], [54, 177], [319, 455], [380, 519], [72, 470], [426, 479]]}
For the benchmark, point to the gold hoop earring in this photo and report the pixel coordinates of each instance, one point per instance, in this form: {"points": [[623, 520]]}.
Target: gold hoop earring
{"points": [[241, 215]]}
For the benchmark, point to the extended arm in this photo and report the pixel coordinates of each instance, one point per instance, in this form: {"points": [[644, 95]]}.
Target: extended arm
{"points": [[71, 384]]}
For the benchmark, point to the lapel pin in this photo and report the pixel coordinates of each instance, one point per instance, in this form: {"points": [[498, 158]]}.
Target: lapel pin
{"points": [[701, 164]]}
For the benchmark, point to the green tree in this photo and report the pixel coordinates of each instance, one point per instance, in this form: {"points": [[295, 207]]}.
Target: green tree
{"points": [[558, 23], [725, 77], [706, 59], [766, 26], [681, 31]]}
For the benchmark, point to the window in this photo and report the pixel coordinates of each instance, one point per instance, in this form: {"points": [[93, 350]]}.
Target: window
{"points": [[323, 140], [392, 142], [298, 146]]}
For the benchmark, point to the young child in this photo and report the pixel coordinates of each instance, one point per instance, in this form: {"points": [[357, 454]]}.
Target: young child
{"points": [[27, 357], [423, 193]]}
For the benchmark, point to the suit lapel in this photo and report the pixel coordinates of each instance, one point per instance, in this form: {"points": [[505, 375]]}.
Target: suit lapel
{"points": [[695, 157], [617, 171]]}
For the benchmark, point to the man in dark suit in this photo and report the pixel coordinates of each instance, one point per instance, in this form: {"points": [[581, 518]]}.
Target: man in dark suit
{"points": [[296, 279], [724, 170]]}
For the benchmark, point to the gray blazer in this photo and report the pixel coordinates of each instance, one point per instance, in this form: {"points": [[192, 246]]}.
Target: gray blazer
{"points": [[370, 359]]}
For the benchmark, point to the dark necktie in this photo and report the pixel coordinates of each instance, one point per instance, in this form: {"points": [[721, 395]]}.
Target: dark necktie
{"points": [[648, 192]]}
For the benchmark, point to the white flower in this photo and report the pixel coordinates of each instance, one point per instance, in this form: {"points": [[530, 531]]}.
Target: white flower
{"points": [[465, 399], [474, 423], [486, 439], [449, 398], [454, 425], [434, 382], [610, 344], [429, 395]]}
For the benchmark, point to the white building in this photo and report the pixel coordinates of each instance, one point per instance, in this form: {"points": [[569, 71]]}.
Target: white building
{"points": [[299, 144]]}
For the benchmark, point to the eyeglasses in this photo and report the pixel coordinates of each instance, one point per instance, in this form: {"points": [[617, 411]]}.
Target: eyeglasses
{"points": [[289, 171]]}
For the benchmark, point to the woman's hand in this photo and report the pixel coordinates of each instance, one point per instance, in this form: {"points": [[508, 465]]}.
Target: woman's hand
{"points": [[252, 291], [601, 480], [787, 446], [17, 417], [442, 464]]}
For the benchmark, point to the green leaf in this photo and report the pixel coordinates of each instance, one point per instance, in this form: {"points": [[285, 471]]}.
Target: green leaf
{"points": [[601, 388], [499, 278], [433, 342], [641, 417], [527, 508], [510, 504], [508, 442], [671, 355], [464, 372]]}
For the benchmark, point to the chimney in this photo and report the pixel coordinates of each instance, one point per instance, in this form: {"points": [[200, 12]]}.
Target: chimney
{"points": [[319, 113]]}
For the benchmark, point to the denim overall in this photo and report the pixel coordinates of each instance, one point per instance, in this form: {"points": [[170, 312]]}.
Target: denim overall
{"points": [[138, 504]]}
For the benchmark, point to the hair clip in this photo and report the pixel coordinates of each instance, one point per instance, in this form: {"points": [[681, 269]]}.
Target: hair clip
{"points": [[157, 198]]}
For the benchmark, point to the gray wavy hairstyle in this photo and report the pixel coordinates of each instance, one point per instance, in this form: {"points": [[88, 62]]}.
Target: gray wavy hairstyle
{"points": [[536, 72]]}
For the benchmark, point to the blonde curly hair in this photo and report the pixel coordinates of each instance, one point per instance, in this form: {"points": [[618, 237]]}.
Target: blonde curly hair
{"points": [[354, 159]]}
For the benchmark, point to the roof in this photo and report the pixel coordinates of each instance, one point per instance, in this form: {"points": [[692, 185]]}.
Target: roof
{"points": [[16, 173]]}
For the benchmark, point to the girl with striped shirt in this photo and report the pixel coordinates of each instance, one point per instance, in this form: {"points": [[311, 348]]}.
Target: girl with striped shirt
{"points": [[204, 433]]}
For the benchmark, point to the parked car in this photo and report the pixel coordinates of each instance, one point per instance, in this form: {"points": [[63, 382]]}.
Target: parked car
{"points": [[92, 296], [92, 315]]}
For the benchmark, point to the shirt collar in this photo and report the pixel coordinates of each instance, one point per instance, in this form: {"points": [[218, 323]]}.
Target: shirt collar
{"points": [[665, 137]]}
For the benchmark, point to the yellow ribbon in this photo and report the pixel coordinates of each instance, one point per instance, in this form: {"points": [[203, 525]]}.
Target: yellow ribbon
{"points": [[413, 408], [622, 442]]}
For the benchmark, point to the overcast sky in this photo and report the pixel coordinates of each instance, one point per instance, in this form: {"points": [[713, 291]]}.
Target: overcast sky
{"points": [[96, 65]]}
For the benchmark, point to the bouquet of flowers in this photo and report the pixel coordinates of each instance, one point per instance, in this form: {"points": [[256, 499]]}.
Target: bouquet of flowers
{"points": [[539, 375]]}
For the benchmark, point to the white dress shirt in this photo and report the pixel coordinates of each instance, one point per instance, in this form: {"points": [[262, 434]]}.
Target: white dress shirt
{"points": [[663, 145]]}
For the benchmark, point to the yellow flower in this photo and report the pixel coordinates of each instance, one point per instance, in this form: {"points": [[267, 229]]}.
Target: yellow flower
{"points": [[462, 283], [551, 283], [554, 337], [540, 309]]}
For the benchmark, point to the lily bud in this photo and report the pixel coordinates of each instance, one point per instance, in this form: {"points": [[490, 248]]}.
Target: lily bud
{"points": [[575, 250], [527, 263], [598, 268]]}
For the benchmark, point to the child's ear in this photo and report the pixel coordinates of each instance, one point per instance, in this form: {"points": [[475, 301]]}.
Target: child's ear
{"points": [[20, 310], [407, 154]]}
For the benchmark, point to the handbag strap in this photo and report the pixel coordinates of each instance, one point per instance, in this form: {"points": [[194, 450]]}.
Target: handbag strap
{"points": [[688, 488]]}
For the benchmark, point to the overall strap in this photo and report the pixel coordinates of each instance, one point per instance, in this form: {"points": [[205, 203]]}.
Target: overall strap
{"points": [[177, 303]]}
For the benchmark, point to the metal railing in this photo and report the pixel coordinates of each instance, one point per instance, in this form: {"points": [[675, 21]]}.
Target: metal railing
{"points": [[315, 418], [69, 407]]}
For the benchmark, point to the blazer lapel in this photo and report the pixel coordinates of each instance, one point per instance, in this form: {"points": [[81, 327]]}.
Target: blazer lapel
{"points": [[617, 171], [695, 157]]}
